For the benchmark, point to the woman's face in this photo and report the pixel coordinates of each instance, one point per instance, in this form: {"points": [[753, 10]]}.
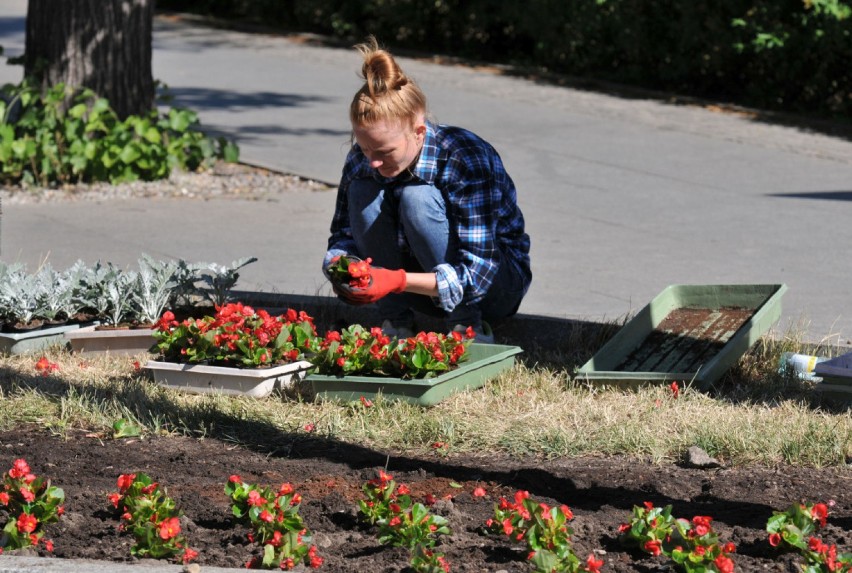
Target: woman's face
{"points": [[391, 147]]}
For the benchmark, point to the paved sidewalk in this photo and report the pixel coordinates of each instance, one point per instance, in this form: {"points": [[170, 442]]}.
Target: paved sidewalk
{"points": [[622, 196]]}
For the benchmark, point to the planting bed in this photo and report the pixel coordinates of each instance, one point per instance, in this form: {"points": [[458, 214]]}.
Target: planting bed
{"points": [[329, 474]]}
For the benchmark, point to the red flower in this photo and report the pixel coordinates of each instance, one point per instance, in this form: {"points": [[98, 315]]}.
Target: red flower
{"points": [[27, 494], [366, 403], [724, 564], [429, 499], [235, 479], [19, 469], [675, 390], [774, 539], [27, 523], [403, 489], [48, 544], [254, 498], [479, 492], [394, 521], [507, 526], [125, 481], [43, 364], [114, 498], [4, 498], [309, 427], [624, 527], [286, 489], [701, 525], [593, 565], [653, 547], [169, 528], [820, 513], [266, 516], [189, 555]]}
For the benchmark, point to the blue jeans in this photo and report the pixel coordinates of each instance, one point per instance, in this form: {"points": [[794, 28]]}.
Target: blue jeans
{"points": [[377, 213]]}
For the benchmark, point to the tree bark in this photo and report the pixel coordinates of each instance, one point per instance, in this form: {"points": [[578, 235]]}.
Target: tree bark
{"points": [[104, 45]]}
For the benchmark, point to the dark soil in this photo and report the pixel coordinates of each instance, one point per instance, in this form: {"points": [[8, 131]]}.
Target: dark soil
{"points": [[600, 491], [685, 339]]}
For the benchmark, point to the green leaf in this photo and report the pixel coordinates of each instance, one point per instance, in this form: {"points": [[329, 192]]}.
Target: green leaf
{"points": [[77, 111], [121, 428], [129, 154]]}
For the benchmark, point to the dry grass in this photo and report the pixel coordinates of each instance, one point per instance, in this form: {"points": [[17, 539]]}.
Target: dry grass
{"points": [[754, 415]]}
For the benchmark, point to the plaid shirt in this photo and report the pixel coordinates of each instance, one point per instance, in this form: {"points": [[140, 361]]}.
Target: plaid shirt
{"points": [[481, 206]]}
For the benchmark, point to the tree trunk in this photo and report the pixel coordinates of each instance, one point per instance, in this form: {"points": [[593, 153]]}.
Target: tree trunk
{"points": [[104, 45]]}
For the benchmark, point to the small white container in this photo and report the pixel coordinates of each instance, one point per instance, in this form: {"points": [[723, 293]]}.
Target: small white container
{"points": [[801, 364]]}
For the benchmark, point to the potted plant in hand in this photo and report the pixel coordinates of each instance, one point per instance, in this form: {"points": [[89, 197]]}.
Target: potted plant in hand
{"points": [[237, 351]]}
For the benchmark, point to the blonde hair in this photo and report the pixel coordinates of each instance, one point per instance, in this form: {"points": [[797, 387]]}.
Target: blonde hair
{"points": [[387, 94]]}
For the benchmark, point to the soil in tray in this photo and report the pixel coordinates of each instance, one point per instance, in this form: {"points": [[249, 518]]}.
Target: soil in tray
{"points": [[686, 339]]}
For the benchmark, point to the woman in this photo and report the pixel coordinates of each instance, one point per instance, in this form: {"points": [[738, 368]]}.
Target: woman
{"points": [[431, 205]]}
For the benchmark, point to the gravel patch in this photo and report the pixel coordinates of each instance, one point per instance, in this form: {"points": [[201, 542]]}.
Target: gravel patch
{"points": [[224, 180]]}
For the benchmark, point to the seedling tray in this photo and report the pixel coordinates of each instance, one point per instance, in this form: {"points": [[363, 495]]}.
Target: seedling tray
{"points": [[34, 340], [485, 362], [687, 333], [117, 342], [203, 379]]}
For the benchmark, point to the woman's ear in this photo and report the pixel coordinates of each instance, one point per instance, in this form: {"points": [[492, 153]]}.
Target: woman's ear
{"points": [[420, 130]]}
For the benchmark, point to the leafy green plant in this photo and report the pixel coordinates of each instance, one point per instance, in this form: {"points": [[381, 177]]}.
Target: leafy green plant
{"points": [[359, 350], [275, 522], [692, 544], [218, 280], [236, 335], [649, 527], [20, 295], [545, 531], [155, 285], [30, 503], [69, 134], [791, 528], [152, 517], [402, 522]]}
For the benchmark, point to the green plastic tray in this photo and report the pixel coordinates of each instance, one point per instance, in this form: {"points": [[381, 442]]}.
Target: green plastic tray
{"points": [[686, 357], [486, 361]]}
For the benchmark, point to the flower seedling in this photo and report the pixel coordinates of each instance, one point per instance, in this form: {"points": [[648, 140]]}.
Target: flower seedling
{"points": [[544, 530], [236, 336], [351, 271], [649, 528], [692, 545], [793, 530], [30, 503], [700, 550], [357, 350], [152, 517], [275, 524], [402, 522]]}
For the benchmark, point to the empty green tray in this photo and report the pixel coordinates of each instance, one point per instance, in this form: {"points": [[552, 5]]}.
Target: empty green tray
{"points": [[485, 362], [728, 320]]}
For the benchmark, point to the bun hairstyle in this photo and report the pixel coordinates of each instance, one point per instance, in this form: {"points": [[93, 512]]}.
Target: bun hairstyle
{"points": [[387, 94]]}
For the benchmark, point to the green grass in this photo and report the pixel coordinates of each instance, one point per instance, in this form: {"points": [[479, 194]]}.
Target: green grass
{"points": [[753, 416]]}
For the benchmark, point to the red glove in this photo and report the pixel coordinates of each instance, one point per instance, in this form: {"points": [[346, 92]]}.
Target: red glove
{"points": [[382, 283]]}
